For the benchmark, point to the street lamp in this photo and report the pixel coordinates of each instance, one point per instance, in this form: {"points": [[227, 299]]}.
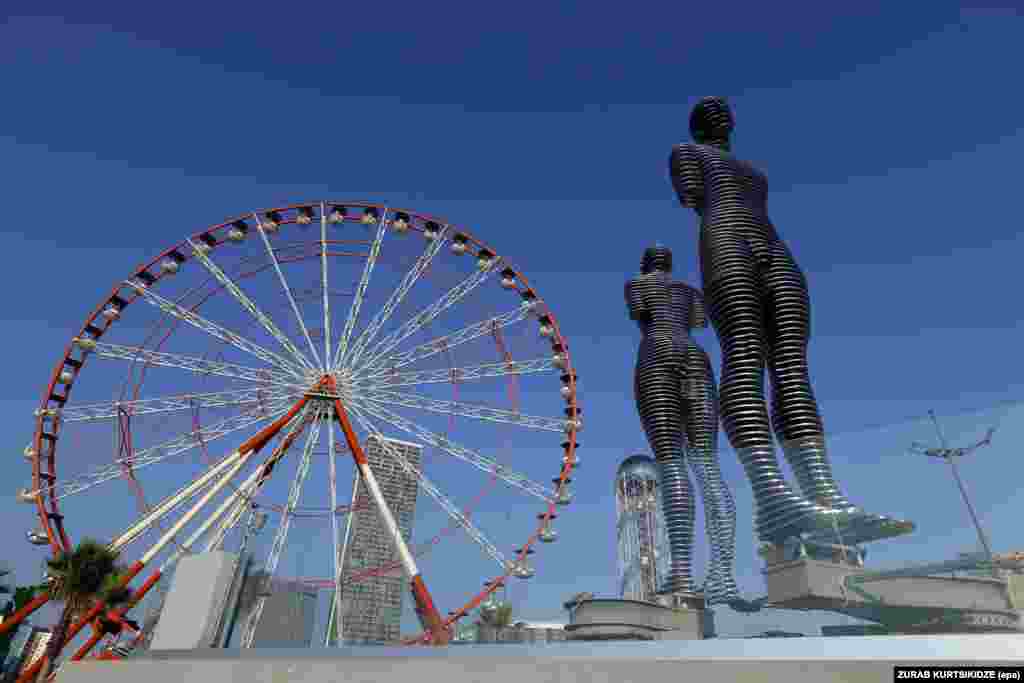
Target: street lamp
{"points": [[949, 455]]}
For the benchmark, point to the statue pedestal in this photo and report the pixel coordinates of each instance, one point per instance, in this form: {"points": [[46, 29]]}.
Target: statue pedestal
{"points": [[617, 619], [808, 583], [917, 599]]}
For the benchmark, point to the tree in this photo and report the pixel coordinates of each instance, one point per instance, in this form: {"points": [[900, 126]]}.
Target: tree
{"points": [[79, 578]]}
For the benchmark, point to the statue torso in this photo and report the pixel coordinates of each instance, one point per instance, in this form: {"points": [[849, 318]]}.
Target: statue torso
{"points": [[662, 307], [729, 194]]}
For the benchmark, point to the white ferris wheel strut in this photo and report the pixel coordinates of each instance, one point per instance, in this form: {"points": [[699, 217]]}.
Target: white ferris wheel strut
{"points": [[174, 500], [357, 301], [218, 332], [91, 412], [467, 455], [411, 400], [156, 454], [467, 373], [388, 363], [324, 281], [442, 501], [249, 630], [250, 306], [374, 357], [288, 293], [418, 268], [199, 366]]}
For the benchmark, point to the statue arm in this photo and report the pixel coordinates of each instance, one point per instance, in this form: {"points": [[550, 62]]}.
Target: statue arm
{"points": [[687, 177], [635, 302]]}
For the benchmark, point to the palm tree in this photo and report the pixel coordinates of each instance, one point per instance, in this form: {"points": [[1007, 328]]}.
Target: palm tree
{"points": [[79, 578]]}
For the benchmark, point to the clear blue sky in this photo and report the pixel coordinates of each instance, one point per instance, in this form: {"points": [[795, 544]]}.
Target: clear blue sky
{"points": [[891, 137]]}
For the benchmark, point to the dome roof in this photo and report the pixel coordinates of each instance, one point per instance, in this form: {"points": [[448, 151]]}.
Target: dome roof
{"points": [[639, 466]]}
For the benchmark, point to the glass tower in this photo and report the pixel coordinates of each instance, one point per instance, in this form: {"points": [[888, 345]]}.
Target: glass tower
{"points": [[642, 539]]}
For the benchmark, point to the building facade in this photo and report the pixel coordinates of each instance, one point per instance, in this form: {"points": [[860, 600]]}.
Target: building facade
{"points": [[374, 585], [642, 538], [288, 617], [33, 648]]}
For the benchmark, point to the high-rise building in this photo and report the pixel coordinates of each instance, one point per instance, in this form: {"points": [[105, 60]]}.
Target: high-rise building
{"points": [[34, 648], [19, 646], [643, 550], [374, 583]]}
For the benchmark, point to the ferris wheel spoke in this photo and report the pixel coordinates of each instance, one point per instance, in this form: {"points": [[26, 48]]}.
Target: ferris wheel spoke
{"points": [[200, 366], [216, 331], [460, 374], [110, 410], [443, 502], [288, 293], [249, 305], [162, 509], [428, 314], [396, 298], [263, 472], [155, 454], [324, 285], [173, 501], [240, 504], [236, 500], [281, 537], [476, 412], [385, 364], [357, 301], [332, 480], [459, 452]]}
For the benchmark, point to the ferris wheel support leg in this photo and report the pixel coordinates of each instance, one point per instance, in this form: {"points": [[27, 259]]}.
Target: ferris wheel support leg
{"points": [[119, 614], [253, 445], [24, 612], [33, 671], [429, 617]]}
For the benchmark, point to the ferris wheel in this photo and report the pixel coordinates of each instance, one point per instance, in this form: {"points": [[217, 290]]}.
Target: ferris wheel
{"points": [[257, 364]]}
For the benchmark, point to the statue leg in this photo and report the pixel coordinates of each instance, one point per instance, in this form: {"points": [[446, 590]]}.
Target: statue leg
{"points": [[734, 303], [659, 401], [702, 453], [795, 416]]}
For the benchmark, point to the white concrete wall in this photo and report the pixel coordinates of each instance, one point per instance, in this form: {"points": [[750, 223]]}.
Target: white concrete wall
{"points": [[195, 601], [793, 660]]}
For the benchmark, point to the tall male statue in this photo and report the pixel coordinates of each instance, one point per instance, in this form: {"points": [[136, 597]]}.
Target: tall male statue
{"points": [[677, 402], [758, 302]]}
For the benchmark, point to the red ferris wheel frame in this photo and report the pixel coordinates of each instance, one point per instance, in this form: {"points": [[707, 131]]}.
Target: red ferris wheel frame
{"points": [[42, 451]]}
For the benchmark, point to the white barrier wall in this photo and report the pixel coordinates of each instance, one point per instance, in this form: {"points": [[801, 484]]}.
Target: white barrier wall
{"points": [[793, 660]]}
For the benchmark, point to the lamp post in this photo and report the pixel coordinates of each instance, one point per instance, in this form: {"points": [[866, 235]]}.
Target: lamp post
{"points": [[948, 455]]}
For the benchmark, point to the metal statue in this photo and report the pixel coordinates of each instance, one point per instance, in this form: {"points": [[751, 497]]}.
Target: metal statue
{"points": [[677, 402], [758, 302]]}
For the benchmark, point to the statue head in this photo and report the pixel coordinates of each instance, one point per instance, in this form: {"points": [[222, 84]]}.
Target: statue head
{"points": [[711, 121], [658, 257]]}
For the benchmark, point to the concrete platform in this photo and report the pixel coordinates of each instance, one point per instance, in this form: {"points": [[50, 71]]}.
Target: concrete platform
{"points": [[613, 618], [796, 660], [819, 585]]}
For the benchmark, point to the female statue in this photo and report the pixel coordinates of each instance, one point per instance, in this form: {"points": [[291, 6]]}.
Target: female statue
{"points": [[675, 396], [757, 300]]}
